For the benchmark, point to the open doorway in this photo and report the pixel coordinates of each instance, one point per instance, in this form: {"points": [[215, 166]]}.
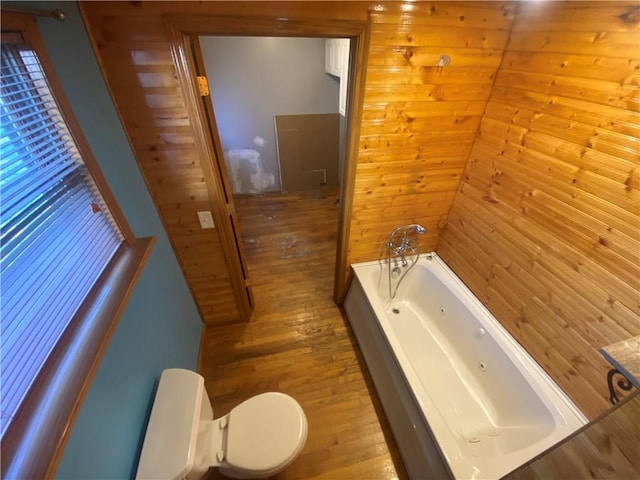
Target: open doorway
{"points": [[189, 66], [280, 112]]}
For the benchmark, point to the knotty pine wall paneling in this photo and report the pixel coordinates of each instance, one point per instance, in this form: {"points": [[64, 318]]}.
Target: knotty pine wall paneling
{"points": [[418, 125], [420, 120], [545, 226], [135, 56], [133, 46]]}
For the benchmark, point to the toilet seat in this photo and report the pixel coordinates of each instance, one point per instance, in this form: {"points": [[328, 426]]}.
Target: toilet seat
{"points": [[264, 434]]}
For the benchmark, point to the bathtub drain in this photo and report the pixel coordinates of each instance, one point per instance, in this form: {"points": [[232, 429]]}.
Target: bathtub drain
{"points": [[482, 366], [395, 310]]}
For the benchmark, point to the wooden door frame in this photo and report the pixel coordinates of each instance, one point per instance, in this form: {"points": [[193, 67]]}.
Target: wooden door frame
{"points": [[182, 28]]}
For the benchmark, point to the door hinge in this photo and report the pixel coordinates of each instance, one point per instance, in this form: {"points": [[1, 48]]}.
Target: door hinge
{"points": [[231, 209], [203, 85]]}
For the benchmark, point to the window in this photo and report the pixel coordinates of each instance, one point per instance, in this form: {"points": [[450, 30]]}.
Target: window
{"points": [[68, 259], [56, 233]]}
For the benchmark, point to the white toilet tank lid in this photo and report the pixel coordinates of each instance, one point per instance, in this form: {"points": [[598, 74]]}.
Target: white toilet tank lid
{"points": [[265, 432], [168, 451]]}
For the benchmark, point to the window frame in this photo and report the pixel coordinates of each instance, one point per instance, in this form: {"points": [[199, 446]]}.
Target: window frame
{"points": [[33, 443]]}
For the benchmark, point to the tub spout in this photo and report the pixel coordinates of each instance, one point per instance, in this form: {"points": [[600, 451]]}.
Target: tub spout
{"points": [[406, 229], [403, 243]]}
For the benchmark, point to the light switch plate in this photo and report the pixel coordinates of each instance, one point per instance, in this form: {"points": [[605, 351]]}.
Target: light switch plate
{"points": [[206, 220]]}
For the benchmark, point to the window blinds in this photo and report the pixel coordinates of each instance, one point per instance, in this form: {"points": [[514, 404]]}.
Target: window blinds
{"points": [[56, 233]]}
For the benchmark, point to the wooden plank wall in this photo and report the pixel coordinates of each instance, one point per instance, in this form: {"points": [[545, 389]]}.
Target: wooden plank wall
{"points": [[545, 227], [418, 126], [420, 120], [136, 59], [134, 50]]}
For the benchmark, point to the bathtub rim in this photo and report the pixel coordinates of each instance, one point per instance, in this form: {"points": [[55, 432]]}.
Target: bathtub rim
{"points": [[566, 416]]}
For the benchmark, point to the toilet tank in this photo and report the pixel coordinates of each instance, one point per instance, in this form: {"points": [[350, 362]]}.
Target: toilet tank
{"points": [[170, 445]]}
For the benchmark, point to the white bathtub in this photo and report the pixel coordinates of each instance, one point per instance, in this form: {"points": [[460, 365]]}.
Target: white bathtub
{"points": [[463, 398]]}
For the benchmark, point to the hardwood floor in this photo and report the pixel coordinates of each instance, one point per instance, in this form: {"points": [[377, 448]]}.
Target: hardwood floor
{"points": [[299, 342]]}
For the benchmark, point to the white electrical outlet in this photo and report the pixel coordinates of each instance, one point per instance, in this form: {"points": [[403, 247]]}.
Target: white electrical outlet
{"points": [[206, 220]]}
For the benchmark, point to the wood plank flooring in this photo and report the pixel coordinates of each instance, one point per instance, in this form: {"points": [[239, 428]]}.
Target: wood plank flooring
{"points": [[299, 342]]}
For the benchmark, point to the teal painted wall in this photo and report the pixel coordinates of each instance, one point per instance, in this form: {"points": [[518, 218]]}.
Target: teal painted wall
{"points": [[160, 327]]}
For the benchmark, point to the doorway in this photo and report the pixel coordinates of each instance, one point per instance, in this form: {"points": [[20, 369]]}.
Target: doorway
{"points": [[185, 33], [275, 104]]}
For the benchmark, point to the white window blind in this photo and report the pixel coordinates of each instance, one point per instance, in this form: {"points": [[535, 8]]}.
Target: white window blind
{"points": [[56, 232]]}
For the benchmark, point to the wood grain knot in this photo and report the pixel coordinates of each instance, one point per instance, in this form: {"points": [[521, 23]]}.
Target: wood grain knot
{"points": [[631, 16]]}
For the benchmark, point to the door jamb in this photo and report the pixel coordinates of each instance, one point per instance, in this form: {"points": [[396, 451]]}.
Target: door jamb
{"points": [[181, 28], [186, 72]]}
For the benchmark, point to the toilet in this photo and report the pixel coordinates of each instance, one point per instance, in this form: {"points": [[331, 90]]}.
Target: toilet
{"points": [[259, 438]]}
